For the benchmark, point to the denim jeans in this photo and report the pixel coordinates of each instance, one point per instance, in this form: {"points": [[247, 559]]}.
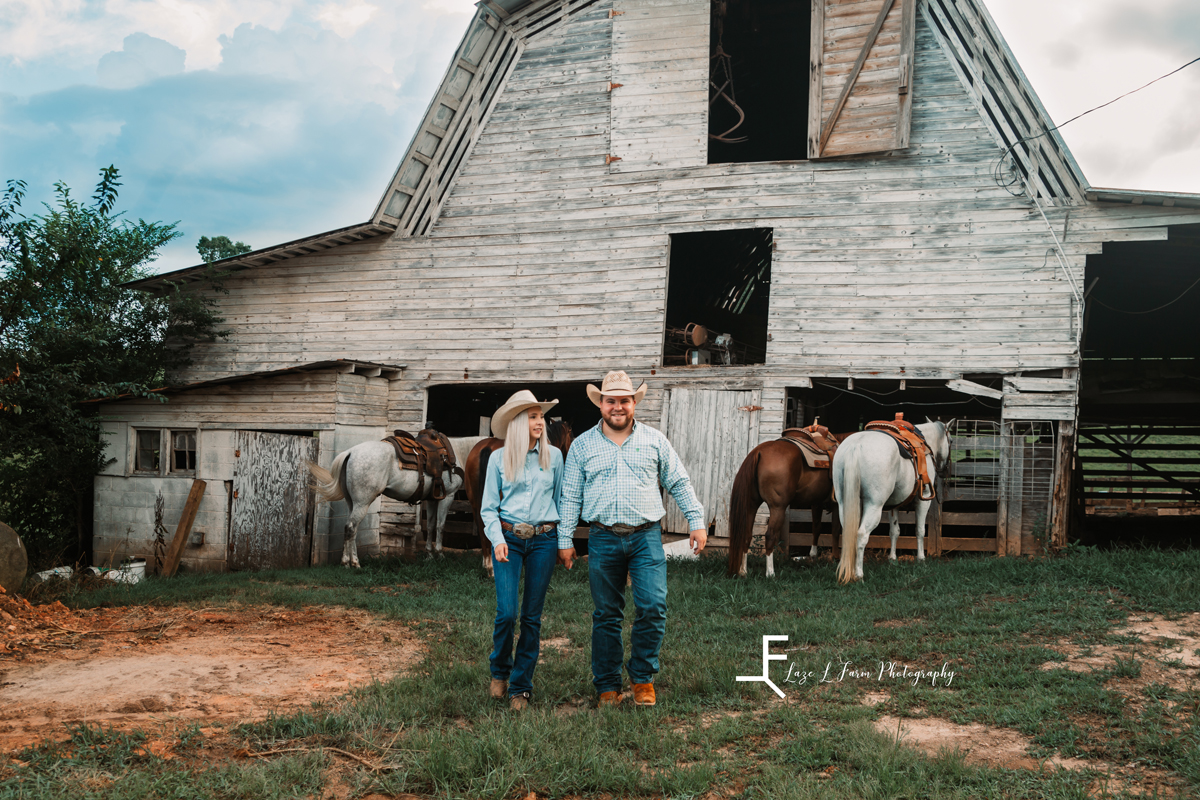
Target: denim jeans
{"points": [[538, 555], [610, 558]]}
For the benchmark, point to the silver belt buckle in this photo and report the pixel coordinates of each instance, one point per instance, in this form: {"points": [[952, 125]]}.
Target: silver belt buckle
{"points": [[524, 530], [622, 530]]}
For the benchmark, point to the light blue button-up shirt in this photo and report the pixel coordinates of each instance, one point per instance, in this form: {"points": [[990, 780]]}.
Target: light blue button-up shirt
{"points": [[532, 498], [619, 484]]}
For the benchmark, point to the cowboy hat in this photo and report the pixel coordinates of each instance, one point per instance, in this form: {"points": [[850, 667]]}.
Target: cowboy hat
{"points": [[521, 401], [616, 384]]}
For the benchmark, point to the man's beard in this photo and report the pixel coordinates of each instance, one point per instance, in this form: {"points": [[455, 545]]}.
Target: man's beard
{"points": [[628, 422]]}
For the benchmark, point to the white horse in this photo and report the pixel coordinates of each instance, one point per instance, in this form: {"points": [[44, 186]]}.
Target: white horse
{"points": [[869, 475], [367, 470]]}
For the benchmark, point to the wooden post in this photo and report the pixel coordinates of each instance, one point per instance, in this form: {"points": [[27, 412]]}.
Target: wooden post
{"points": [[1004, 439], [933, 521], [1060, 513], [1016, 506], [184, 529]]}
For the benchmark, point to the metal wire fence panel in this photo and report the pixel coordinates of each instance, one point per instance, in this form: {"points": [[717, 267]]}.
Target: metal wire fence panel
{"points": [[975, 446]]}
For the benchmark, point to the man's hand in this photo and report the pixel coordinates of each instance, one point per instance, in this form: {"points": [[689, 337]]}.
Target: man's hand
{"points": [[697, 539], [501, 551], [567, 557]]}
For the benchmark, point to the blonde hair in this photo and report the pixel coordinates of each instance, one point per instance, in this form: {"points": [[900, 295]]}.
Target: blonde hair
{"points": [[516, 445]]}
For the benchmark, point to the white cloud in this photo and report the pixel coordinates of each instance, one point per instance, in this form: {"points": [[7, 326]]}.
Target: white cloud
{"points": [[1079, 55], [344, 20], [142, 58]]}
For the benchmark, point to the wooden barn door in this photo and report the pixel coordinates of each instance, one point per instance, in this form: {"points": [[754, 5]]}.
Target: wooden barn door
{"points": [[860, 76], [269, 526], [712, 431]]}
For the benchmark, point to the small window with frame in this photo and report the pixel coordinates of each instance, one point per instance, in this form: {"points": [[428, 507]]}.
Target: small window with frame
{"points": [[147, 453], [183, 451]]}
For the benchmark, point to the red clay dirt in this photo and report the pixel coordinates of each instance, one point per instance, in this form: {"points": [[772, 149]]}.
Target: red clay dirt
{"points": [[140, 666]]}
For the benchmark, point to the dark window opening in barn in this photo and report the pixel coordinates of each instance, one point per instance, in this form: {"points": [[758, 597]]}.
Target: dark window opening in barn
{"points": [[146, 456], [758, 81], [718, 296], [183, 451], [1139, 403], [466, 409]]}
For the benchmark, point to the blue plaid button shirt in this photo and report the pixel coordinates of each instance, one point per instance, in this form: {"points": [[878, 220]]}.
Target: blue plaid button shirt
{"points": [[619, 485]]}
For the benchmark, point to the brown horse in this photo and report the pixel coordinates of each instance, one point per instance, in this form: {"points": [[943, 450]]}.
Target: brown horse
{"points": [[776, 473], [560, 435]]}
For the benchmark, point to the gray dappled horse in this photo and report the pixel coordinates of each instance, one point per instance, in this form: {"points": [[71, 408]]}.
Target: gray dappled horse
{"points": [[367, 470], [869, 475]]}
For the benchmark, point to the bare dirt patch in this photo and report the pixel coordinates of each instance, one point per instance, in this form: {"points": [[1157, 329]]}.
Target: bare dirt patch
{"points": [[979, 744], [1166, 651], [139, 666]]}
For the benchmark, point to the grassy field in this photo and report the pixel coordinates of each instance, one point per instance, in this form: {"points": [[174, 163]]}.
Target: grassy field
{"points": [[433, 731]]}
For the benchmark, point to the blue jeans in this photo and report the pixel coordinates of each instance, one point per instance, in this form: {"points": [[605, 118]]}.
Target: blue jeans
{"points": [[538, 554], [610, 558]]}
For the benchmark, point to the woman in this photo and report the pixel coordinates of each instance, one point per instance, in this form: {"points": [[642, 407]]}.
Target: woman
{"points": [[520, 518]]}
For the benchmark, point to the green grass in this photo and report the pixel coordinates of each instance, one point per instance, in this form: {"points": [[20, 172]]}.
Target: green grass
{"points": [[990, 620]]}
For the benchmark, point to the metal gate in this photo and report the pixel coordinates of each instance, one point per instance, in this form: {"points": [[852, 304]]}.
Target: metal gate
{"points": [[270, 517], [712, 431]]}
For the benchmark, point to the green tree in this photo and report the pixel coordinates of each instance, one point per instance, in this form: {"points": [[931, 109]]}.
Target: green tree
{"points": [[219, 247], [71, 330]]}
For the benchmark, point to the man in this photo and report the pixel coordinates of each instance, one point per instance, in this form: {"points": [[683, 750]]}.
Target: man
{"points": [[612, 476]]}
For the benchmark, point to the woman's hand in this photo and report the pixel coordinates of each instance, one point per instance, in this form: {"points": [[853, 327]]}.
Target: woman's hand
{"points": [[501, 552]]}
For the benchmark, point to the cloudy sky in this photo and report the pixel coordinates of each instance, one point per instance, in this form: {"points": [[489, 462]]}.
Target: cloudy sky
{"points": [[268, 120]]}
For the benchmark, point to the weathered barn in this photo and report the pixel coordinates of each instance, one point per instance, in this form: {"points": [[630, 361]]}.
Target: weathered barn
{"points": [[896, 228]]}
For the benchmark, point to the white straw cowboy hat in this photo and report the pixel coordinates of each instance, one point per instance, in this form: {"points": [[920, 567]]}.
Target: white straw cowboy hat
{"points": [[616, 384], [521, 401]]}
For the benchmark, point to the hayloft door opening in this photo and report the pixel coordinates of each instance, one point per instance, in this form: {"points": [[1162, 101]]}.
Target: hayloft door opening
{"points": [[758, 81], [718, 296]]}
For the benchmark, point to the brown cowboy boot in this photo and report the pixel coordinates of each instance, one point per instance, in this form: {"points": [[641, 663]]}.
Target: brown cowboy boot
{"points": [[609, 699], [643, 694], [498, 690], [519, 702]]}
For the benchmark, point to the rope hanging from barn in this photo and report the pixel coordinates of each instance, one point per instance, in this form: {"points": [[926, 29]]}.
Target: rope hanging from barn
{"points": [[720, 79]]}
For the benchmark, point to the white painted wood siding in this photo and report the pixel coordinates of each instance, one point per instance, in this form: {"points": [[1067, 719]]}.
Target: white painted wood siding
{"points": [[660, 58]]}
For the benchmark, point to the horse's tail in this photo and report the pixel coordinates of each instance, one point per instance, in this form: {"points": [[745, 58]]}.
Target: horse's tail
{"points": [[744, 501], [330, 483], [850, 509]]}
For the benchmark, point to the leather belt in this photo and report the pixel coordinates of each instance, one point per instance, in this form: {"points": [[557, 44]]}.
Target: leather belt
{"points": [[523, 530], [623, 530]]}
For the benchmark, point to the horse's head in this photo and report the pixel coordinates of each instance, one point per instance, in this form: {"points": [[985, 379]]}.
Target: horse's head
{"points": [[561, 435], [939, 442]]}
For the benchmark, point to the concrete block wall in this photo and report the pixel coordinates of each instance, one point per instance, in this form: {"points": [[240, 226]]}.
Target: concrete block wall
{"points": [[124, 519]]}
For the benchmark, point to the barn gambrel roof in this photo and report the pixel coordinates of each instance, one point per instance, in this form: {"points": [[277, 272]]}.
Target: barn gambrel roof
{"points": [[1039, 161]]}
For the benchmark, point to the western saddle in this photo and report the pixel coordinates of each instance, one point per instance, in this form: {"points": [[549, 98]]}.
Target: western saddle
{"points": [[912, 445], [816, 443], [427, 452]]}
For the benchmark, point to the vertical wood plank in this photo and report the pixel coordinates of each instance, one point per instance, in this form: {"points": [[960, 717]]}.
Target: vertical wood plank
{"points": [[1004, 440], [184, 529], [1060, 514], [816, 72], [1016, 502]]}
